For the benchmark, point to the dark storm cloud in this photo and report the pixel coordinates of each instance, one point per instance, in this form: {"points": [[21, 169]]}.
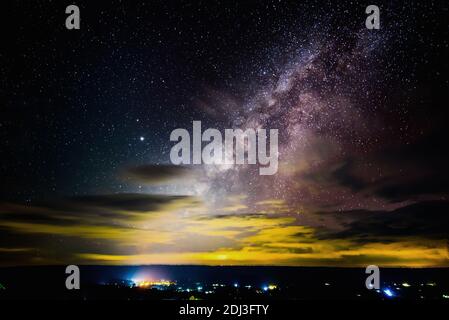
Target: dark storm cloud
{"points": [[429, 220], [305, 250], [101, 208], [246, 215], [426, 168], [127, 201], [411, 172], [342, 173], [345, 177], [397, 191], [156, 174], [36, 217]]}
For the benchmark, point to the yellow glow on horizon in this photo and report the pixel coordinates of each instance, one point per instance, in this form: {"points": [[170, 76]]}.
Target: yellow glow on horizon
{"points": [[172, 237]]}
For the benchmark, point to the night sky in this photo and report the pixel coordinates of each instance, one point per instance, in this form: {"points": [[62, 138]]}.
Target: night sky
{"points": [[86, 117]]}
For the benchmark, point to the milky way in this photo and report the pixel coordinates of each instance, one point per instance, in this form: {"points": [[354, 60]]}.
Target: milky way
{"points": [[320, 103]]}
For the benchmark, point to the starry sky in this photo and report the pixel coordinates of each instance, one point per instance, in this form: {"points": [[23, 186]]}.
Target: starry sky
{"points": [[86, 117]]}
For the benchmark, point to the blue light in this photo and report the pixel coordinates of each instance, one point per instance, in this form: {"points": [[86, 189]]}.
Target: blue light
{"points": [[236, 285], [265, 288], [388, 293]]}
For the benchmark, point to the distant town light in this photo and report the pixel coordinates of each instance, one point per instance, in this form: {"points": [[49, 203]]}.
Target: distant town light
{"points": [[150, 284], [405, 284], [388, 293]]}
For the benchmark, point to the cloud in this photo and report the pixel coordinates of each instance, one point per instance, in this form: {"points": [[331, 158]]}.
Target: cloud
{"points": [[377, 179], [108, 206], [56, 229], [345, 177], [174, 232], [418, 170], [128, 201], [397, 191], [425, 220], [156, 174]]}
